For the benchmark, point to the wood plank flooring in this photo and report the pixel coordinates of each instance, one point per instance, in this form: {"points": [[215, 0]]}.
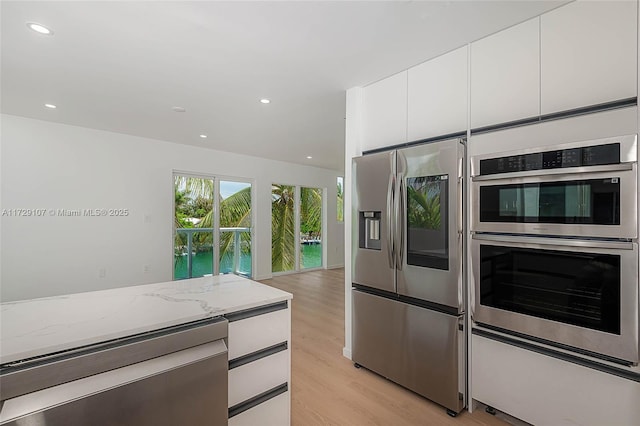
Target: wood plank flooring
{"points": [[326, 389]]}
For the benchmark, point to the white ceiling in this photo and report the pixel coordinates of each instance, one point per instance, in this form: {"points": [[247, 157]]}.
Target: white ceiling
{"points": [[122, 66]]}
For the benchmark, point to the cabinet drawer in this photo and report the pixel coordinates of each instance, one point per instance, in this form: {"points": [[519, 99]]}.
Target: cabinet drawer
{"points": [[259, 332], [545, 390], [258, 376], [274, 412]]}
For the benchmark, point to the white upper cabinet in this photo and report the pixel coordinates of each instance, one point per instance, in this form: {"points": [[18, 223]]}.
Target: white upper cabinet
{"points": [[438, 96], [384, 112], [505, 75], [589, 54]]}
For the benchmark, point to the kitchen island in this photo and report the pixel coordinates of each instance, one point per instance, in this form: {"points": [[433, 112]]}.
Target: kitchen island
{"points": [[258, 339]]}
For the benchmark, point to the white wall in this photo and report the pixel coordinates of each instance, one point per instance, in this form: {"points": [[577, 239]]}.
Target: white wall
{"points": [[353, 132], [53, 166]]}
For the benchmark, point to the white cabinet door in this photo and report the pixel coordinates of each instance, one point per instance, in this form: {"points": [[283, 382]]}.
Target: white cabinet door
{"points": [[545, 390], [588, 54], [505, 75], [384, 112], [438, 96]]}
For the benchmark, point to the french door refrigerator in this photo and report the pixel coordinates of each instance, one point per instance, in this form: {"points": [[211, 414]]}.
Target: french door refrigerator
{"points": [[407, 269]]}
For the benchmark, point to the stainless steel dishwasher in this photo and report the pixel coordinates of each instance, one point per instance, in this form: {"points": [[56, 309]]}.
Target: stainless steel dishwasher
{"points": [[173, 376]]}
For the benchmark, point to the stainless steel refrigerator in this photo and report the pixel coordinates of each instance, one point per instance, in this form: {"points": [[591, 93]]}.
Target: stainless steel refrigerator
{"points": [[407, 269]]}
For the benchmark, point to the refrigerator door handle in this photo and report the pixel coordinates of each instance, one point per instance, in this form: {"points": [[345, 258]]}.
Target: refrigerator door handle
{"points": [[459, 197], [390, 218], [400, 214]]}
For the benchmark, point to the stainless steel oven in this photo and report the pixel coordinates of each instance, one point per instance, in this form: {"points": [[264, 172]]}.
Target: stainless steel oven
{"points": [[554, 248], [586, 189], [569, 292]]}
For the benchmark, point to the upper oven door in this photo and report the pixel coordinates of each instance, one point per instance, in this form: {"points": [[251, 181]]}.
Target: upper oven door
{"points": [[568, 292], [585, 203]]}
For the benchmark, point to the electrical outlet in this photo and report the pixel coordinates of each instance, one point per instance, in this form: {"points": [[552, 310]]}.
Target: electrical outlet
{"points": [[147, 269], [102, 273]]}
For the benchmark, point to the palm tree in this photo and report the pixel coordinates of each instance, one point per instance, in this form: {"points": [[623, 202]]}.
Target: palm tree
{"points": [[235, 212], [424, 205], [195, 187], [283, 237], [283, 255], [340, 200], [311, 211], [310, 219]]}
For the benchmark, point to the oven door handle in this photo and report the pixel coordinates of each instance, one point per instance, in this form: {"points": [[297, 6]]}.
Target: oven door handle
{"points": [[556, 242], [557, 172]]}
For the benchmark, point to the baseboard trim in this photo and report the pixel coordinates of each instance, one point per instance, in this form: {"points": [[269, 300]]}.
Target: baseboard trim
{"points": [[346, 352], [341, 265], [262, 277]]}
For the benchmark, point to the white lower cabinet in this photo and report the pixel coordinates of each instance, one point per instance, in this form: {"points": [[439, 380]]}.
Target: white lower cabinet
{"points": [[274, 412], [258, 332], [260, 368], [544, 390], [258, 376]]}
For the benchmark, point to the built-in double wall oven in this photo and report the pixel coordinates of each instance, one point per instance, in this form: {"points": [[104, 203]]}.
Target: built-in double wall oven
{"points": [[554, 245]]}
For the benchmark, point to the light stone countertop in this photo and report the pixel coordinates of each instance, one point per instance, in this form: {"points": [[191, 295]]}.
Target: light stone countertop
{"points": [[30, 328]]}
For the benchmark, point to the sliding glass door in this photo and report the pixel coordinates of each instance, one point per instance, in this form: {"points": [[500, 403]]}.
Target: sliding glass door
{"points": [[235, 227], [296, 228], [193, 236], [203, 222], [310, 228]]}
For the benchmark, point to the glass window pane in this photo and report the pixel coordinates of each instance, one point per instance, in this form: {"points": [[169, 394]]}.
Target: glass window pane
{"points": [[593, 201], [283, 238], [427, 227], [235, 228], [310, 228], [193, 239], [577, 288]]}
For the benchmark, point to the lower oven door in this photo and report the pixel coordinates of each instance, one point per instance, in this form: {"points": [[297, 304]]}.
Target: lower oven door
{"points": [[569, 293]]}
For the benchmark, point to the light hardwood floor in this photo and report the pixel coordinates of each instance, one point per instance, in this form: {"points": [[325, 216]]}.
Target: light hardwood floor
{"points": [[326, 389]]}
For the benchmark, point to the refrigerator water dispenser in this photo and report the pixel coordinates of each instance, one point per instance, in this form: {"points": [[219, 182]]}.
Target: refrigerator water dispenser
{"points": [[370, 230]]}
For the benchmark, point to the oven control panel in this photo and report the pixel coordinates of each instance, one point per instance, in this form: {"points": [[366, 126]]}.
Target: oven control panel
{"points": [[595, 155]]}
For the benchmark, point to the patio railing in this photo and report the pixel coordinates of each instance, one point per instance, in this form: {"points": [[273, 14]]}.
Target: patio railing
{"points": [[189, 247]]}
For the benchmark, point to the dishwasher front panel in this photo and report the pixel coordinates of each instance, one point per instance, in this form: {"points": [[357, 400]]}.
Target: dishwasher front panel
{"points": [[43, 372], [418, 348], [188, 387]]}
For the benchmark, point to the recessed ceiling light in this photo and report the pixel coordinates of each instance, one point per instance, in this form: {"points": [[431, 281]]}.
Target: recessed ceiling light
{"points": [[178, 109], [309, 157], [203, 136], [265, 101], [52, 106], [39, 28]]}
